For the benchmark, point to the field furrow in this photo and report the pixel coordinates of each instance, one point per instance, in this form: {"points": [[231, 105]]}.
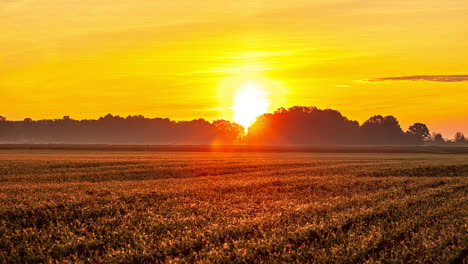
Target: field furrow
{"points": [[228, 208]]}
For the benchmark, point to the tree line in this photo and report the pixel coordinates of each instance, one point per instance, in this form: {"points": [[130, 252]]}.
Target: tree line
{"points": [[302, 125], [112, 129], [297, 125]]}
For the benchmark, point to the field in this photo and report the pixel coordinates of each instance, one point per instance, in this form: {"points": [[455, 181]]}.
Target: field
{"points": [[101, 206]]}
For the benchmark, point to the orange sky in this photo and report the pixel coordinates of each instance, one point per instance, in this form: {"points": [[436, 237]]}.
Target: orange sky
{"points": [[185, 59]]}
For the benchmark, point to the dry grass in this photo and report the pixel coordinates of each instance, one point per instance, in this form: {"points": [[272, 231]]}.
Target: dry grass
{"points": [[226, 207]]}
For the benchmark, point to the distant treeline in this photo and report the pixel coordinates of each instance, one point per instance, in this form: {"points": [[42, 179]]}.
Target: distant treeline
{"points": [[294, 126], [118, 130]]}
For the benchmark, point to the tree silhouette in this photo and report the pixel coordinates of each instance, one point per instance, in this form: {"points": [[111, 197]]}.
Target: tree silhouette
{"points": [[301, 125], [298, 125], [111, 129], [437, 138], [228, 132], [459, 138], [419, 131], [2, 118], [382, 130]]}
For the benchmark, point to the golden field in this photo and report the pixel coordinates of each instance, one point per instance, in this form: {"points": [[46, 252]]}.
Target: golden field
{"points": [[82, 206]]}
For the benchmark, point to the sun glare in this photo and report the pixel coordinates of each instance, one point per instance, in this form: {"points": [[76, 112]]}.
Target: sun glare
{"points": [[250, 101]]}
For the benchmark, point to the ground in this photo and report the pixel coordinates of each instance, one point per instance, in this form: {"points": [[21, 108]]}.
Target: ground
{"points": [[108, 206]]}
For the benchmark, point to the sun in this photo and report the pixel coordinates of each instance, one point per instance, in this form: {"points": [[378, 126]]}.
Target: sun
{"points": [[250, 101]]}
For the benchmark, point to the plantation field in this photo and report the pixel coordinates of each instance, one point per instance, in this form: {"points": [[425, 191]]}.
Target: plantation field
{"points": [[127, 207]]}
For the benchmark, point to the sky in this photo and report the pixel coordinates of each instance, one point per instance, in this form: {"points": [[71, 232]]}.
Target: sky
{"points": [[186, 59]]}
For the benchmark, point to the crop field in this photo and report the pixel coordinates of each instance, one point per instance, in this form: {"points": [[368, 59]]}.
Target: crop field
{"points": [[218, 207]]}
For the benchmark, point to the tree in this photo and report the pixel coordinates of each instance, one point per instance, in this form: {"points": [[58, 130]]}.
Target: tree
{"points": [[382, 130], [437, 138], [419, 131], [300, 125], [227, 132], [460, 138], [2, 118]]}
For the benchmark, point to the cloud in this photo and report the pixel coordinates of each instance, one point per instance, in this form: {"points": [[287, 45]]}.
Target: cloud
{"points": [[431, 78]]}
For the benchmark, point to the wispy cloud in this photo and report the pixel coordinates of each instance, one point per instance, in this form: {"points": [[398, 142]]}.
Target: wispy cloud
{"points": [[431, 78]]}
